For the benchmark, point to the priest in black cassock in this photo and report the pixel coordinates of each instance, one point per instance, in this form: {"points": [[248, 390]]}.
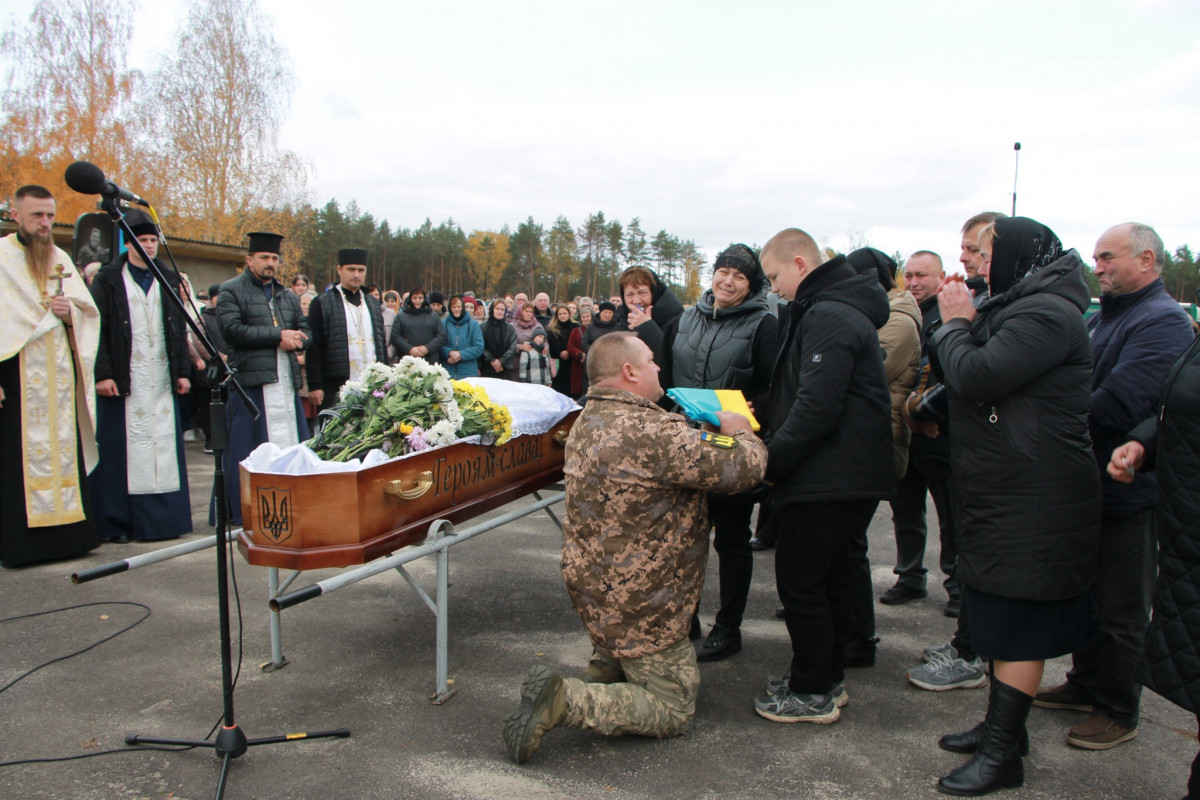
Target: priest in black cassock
{"points": [[347, 330], [140, 490], [264, 328]]}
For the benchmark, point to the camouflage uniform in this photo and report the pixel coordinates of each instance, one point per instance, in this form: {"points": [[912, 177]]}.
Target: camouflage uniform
{"points": [[635, 545]]}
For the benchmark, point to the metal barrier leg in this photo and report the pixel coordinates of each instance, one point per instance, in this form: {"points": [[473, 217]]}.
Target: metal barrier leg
{"points": [[444, 692], [277, 660]]}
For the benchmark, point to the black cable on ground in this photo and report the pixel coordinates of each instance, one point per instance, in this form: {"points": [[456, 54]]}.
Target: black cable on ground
{"points": [[91, 646]]}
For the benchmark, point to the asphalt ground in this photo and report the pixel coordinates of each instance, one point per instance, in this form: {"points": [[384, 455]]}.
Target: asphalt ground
{"points": [[363, 658]]}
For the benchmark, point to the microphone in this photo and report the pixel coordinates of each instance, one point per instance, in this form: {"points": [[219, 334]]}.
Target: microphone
{"points": [[86, 178]]}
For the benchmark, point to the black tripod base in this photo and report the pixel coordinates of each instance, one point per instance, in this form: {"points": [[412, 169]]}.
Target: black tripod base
{"points": [[232, 742]]}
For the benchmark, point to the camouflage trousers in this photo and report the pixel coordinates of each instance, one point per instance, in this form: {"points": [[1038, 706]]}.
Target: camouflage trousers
{"points": [[654, 695]]}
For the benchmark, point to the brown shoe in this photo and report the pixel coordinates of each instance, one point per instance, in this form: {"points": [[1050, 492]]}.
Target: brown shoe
{"points": [[1061, 697], [1098, 732]]}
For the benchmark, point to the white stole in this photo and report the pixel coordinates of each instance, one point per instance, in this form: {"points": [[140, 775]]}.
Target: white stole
{"points": [[152, 463], [360, 333], [279, 401], [57, 384]]}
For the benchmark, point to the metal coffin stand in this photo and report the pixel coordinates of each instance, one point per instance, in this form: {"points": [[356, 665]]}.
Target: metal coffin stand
{"points": [[344, 519]]}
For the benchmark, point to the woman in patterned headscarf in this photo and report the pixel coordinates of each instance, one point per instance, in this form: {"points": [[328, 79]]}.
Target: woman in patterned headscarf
{"points": [[1026, 487]]}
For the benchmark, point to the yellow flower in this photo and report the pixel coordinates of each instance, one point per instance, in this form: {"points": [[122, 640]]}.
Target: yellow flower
{"points": [[405, 428]]}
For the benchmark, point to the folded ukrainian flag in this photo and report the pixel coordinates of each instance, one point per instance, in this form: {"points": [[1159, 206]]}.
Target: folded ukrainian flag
{"points": [[701, 404]]}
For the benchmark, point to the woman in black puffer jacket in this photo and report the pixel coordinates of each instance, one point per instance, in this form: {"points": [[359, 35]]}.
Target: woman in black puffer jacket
{"points": [[1170, 443], [418, 330], [1026, 491]]}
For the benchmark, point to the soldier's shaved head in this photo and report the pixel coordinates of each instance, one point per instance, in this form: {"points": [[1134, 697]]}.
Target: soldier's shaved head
{"points": [[621, 360], [609, 353]]}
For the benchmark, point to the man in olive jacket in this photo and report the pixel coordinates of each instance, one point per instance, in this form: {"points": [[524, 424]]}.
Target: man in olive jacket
{"points": [[263, 326], [635, 545]]}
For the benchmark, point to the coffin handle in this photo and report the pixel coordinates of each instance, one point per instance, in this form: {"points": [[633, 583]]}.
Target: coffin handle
{"points": [[420, 486], [560, 436]]}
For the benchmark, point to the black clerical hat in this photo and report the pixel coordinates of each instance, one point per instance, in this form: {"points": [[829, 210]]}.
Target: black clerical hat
{"points": [[352, 255], [264, 242]]}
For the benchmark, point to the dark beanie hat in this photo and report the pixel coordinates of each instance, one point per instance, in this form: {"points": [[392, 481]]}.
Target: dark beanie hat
{"points": [[870, 260], [140, 223], [744, 260], [436, 297], [352, 255], [606, 306], [214, 290]]}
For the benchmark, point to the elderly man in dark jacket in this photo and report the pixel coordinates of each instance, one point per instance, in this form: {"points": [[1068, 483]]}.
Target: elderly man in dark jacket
{"points": [[1026, 487], [1138, 333], [261, 322], [830, 460]]}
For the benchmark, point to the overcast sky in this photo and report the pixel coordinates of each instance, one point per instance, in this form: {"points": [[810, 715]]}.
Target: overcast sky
{"points": [[889, 122]]}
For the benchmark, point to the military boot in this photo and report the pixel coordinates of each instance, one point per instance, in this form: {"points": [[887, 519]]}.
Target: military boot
{"points": [[543, 705]]}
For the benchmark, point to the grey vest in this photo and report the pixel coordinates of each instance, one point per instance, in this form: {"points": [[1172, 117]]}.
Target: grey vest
{"points": [[714, 347]]}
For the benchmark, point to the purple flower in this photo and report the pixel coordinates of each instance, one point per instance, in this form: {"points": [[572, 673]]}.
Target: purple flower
{"points": [[378, 393], [386, 446], [416, 440]]}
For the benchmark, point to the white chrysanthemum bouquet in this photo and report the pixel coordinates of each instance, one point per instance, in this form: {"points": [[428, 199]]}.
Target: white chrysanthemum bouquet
{"points": [[405, 409]]}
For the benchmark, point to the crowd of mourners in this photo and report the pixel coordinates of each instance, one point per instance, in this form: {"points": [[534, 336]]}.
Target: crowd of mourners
{"points": [[1058, 443]]}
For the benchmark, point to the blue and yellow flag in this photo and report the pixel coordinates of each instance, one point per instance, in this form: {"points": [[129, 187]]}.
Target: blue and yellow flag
{"points": [[702, 404]]}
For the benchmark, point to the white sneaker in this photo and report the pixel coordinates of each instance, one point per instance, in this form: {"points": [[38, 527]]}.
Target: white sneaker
{"points": [[189, 436]]}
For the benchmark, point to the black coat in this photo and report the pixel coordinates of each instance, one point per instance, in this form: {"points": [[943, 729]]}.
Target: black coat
{"points": [[415, 327], [244, 319], [116, 335], [328, 363], [829, 406], [1026, 490], [1172, 441]]}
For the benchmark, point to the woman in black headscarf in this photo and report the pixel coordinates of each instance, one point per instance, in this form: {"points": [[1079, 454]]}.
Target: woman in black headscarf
{"points": [[1026, 488]]}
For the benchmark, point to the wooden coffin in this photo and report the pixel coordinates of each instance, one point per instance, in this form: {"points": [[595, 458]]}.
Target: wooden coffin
{"points": [[340, 519]]}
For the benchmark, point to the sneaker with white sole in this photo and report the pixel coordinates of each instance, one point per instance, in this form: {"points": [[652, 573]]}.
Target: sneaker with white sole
{"points": [[780, 685], [946, 651], [945, 673], [788, 706]]}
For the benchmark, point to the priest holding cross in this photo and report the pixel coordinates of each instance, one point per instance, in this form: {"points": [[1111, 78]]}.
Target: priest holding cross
{"points": [[49, 333]]}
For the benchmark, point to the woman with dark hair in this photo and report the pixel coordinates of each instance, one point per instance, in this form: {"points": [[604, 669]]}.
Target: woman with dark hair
{"points": [[729, 340], [578, 355], [1026, 488], [499, 345], [558, 338], [418, 331]]}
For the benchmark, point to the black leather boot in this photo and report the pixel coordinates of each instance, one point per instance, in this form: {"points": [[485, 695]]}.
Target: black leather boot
{"points": [[968, 741], [997, 760]]}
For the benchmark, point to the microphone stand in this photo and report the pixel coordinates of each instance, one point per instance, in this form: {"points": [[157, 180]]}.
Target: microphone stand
{"points": [[230, 741]]}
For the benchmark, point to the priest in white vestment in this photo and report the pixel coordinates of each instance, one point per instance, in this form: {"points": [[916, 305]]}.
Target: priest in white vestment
{"points": [[347, 329], [49, 328], [140, 492]]}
